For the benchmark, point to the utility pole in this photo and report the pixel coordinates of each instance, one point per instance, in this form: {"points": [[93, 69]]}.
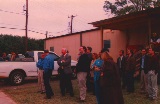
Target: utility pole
{"points": [[71, 23], [46, 34], [26, 27]]}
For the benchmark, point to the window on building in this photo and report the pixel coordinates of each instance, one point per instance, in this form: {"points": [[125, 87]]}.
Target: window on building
{"points": [[107, 44], [52, 49]]}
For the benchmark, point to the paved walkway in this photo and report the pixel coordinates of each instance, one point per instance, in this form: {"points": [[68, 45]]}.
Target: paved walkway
{"points": [[4, 99]]}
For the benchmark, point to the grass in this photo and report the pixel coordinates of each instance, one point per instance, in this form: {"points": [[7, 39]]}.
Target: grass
{"points": [[27, 94]]}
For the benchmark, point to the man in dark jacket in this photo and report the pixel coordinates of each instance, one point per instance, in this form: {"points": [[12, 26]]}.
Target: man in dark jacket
{"points": [[82, 69], [65, 72], [121, 61], [88, 83], [130, 70]]}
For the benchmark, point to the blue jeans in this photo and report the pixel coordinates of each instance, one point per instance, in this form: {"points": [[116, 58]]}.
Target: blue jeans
{"points": [[97, 85]]}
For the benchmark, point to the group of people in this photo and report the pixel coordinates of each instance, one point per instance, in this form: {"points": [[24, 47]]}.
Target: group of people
{"points": [[7, 58], [149, 72], [149, 67], [107, 84], [107, 74]]}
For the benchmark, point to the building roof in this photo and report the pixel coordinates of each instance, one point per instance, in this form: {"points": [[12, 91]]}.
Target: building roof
{"points": [[131, 20], [72, 34]]}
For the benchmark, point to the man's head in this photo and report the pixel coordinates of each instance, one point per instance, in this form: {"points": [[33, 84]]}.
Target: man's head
{"points": [[89, 49], [129, 52], [82, 49], [64, 51], [121, 52], [46, 52], [143, 51], [151, 51]]}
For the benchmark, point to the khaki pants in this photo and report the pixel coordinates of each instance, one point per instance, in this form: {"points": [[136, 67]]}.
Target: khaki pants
{"points": [[81, 76], [152, 84], [144, 81], [40, 80]]}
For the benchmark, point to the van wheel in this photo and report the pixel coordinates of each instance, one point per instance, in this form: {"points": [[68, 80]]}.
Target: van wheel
{"points": [[16, 78]]}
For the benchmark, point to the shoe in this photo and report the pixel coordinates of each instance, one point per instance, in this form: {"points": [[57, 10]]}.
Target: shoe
{"points": [[43, 92], [152, 98], [47, 97], [63, 95], [52, 94], [72, 95], [82, 101], [39, 91]]}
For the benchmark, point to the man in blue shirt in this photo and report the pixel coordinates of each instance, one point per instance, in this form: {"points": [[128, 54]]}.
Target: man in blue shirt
{"points": [[48, 66]]}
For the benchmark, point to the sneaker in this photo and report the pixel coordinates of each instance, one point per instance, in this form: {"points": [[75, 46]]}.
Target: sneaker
{"points": [[43, 92], [72, 95], [47, 97], [82, 101], [39, 91]]}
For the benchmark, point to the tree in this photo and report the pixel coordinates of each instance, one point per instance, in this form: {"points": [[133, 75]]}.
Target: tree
{"points": [[122, 7], [9, 43]]}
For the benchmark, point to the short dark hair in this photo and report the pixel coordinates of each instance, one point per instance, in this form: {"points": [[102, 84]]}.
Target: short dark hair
{"points": [[122, 51], [84, 48], [89, 48], [104, 50], [46, 51]]}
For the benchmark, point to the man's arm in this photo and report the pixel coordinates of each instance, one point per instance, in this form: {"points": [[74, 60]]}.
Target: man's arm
{"points": [[67, 61]]}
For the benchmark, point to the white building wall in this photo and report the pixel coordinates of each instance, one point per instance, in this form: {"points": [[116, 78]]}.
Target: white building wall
{"points": [[92, 39], [72, 43], [118, 41]]}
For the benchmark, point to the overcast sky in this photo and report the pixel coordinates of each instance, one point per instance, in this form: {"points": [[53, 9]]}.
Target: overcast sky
{"points": [[49, 15]]}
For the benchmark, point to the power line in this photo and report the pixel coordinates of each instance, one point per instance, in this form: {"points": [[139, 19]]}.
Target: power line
{"points": [[30, 29], [13, 28], [61, 11], [11, 12], [9, 24]]}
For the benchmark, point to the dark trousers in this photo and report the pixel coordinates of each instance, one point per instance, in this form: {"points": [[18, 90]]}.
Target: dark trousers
{"points": [[130, 81], [124, 79], [66, 84], [88, 83], [47, 76]]}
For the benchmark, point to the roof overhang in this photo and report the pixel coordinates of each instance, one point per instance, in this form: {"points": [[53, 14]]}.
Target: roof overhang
{"points": [[136, 19]]}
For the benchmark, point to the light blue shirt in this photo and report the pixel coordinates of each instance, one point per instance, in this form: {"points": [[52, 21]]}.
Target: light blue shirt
{"points": [[99, 64], [142, 65]]}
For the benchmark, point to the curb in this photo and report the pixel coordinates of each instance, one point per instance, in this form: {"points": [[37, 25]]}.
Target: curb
{"points": [[4, 99]]}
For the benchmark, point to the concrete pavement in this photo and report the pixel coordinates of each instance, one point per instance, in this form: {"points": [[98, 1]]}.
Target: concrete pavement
{"points": [[4, 99]]}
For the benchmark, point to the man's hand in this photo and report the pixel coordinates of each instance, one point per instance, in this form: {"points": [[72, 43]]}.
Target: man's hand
{"points": [[96, 68], [63, 61]]}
